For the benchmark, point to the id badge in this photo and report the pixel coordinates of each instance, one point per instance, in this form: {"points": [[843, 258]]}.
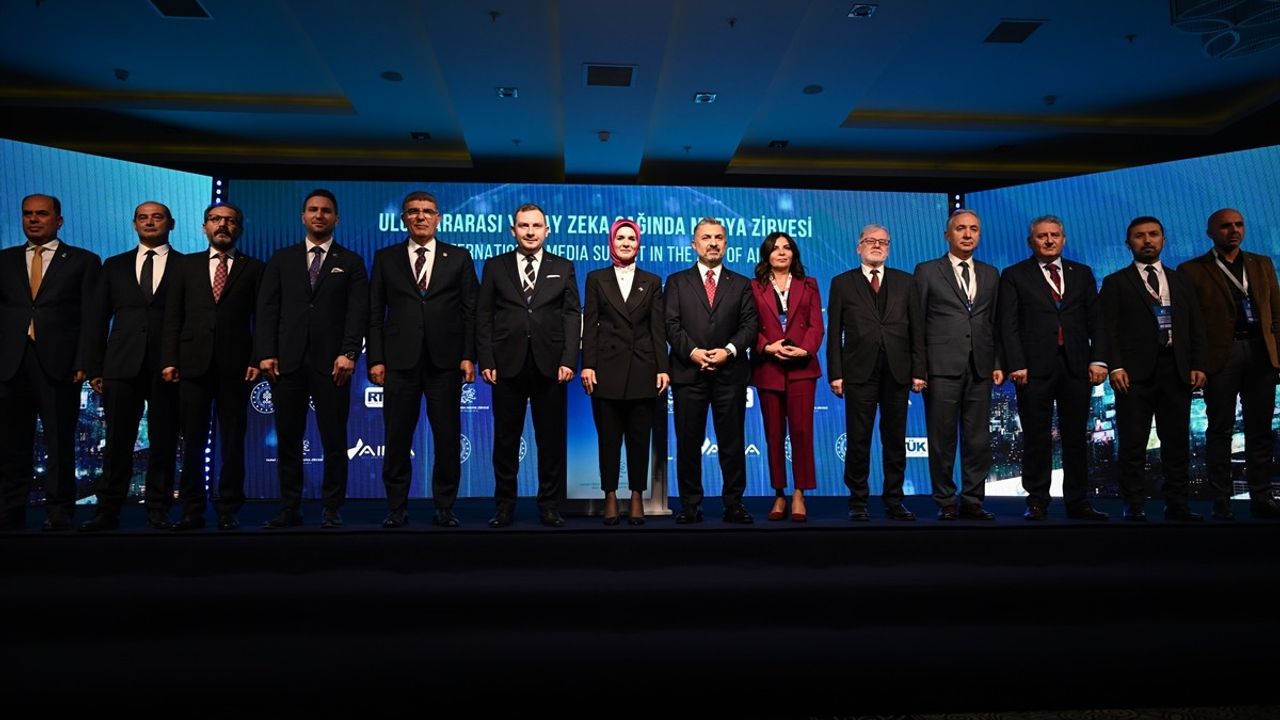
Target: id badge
{"points": [[1250, 316], [1164, 319], [782, 318]]}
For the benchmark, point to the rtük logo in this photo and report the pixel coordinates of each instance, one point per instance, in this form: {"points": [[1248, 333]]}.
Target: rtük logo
{"points": [[373, 396], [916, 447], [710, 448], [364, 450]]}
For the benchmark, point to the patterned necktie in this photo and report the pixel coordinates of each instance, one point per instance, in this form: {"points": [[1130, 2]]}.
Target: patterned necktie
{"points": [[317, 259], [220, 276], [1153, 281], [1056, 279], [418, 266], [710, 285], [37, 274], [529, 277], [147, 278], [964, 280], [875, 281]]}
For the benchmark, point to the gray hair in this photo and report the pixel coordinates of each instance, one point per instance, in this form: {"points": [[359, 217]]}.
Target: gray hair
{"points": [[869, 228], [1054, 219]]}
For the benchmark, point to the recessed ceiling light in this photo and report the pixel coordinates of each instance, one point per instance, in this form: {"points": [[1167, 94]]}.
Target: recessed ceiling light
{"points": [[391, 76], [778, 144], [508, 92], [811, 89], [704, 98], [862, 10], [420, 136]]}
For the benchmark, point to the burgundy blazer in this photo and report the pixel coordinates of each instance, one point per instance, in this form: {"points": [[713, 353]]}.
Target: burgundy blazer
{"points": [[804, 327]]}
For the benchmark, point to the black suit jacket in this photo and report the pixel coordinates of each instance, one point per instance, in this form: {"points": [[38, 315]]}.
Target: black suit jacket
{"points": [[625, 342], [136, 324], [63, 336], [1133, 335], [507, 329], [856, 330], [199, 333], [402, 323], [294, 322], [1029, 319], [954, 331], [693, 323]]}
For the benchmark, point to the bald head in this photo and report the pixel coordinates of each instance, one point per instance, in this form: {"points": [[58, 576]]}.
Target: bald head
{"points": [[1226, 229]]}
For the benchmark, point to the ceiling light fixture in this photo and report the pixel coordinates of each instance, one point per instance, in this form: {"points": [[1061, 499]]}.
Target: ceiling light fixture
{"points": [[704, 98], [862, 10], [508, 92]]}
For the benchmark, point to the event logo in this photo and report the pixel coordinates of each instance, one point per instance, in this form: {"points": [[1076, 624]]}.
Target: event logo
{"points": [[751, 397], [260, 398], [373, 396], [523, 449], [917, 447], [466, 447], [710, 448], [365, 450], [468, 394], [842, 443], [787, 446]]}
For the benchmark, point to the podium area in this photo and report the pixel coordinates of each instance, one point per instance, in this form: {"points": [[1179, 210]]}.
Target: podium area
{"points": [[778, 619]]}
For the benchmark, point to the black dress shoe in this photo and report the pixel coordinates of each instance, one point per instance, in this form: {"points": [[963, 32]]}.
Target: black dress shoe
{"points": [[551, 518], [56, 522], [1265, 509], [1222, 510], [158, 520], [859, 514], [285, 519], [976, 512], [396, 519], [1035, 512], [330, 519], [444, 518], [689, 516], [1085, 511], [100, 522], [898, 512], [1135, 513], [738, 515], [1181, 513], [502, 518], [227, 522], [188, 522], [635, 519], [948, 513]]}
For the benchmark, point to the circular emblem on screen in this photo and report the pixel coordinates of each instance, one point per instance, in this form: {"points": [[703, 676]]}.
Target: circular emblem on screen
{"points": [[466, 448], [787, 446], [260, 398], [841, 445], [523, 449], [468, 394]]}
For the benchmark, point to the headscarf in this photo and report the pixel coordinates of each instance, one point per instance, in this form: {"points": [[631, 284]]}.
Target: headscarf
{"points": [[613, 230]]}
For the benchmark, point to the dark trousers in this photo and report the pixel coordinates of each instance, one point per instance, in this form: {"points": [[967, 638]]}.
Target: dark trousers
{"points": [[403, 392], [510, 398], [728, 405], [333, 406], [616, 420], [960, 405], [32, 393], [1036, 401], [790, 414], [860, 403], [123, 401], [1166, 396], [227, 394], [1247, 374]]}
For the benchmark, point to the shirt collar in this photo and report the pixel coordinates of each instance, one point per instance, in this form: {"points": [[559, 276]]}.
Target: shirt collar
{"points": [[231, 254], [715, 271], [955, 261], [161, 250], [49, 247], [324, 245]]}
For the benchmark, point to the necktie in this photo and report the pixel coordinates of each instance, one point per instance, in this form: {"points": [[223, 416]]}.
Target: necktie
{"points": [[529, 277], [1056, 279], [418, 266], [37, 274], [710, 285], [219, 276], [317, 259], [147, 277], [875, 281], [964, 280], [1153, 281]]}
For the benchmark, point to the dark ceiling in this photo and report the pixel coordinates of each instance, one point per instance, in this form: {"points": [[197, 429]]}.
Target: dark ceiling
{"points": [[918, 95]]}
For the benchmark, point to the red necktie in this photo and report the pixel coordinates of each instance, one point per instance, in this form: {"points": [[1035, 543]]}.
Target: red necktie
{"points": [[1056, 279], [219, 276], [710, 284], [875, 281]]}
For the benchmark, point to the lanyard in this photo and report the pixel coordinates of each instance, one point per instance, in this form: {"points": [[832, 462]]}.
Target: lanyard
{"points": [[1241, 286], [783, 294]]}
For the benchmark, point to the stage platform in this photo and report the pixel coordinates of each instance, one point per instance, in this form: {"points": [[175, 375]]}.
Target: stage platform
{"points": [[778, 619]]}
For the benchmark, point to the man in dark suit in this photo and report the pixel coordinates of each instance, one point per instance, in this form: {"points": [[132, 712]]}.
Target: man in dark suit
{"points": [[528, 327], [1155, 352], [1051, 337], [1238, 290], [46, 288], [125, 370], [958, 301], [876, 358], [208, 350], [711, 323], [422, 341], [311, 316]]}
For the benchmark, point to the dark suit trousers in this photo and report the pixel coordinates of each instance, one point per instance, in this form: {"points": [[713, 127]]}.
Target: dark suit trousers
{"points": [[1249, 375], [860, 403], [1036, 401], [790, 413], [123, 402], [959, 404], [333, 407], [226, 392], [510, 398], [404, 390], [28, 394], [1167, 398], [728, 404], [616, 420]]}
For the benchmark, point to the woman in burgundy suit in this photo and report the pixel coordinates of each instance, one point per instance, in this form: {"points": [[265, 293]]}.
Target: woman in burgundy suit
{"points": [[786, 366]]}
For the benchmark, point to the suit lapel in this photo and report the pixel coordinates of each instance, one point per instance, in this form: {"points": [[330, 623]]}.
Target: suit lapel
{"points": [[949, 277], [1140, 286], [639, 290], [53, 262], [613, 291], [795, 300], [438, 266], [170, 265], [326, 267], [237, 269]]}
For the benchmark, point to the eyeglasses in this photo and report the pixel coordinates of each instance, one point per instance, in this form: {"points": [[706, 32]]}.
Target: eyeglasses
{"points": [[222, 220], [415, 212], [875, 242]]}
